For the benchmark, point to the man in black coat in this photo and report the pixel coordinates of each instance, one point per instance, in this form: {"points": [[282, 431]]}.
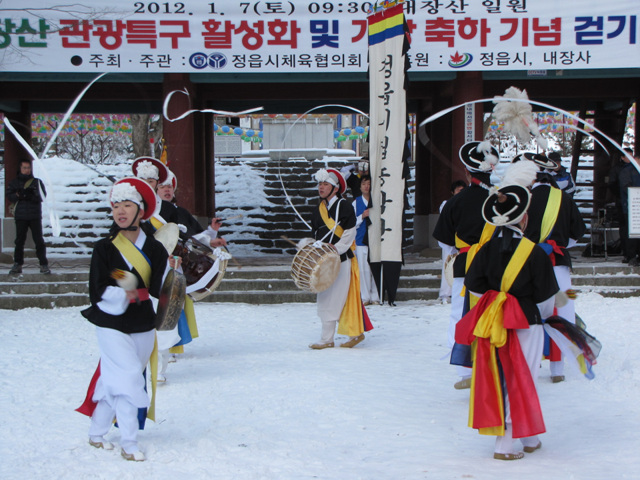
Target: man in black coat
{"points": [[462, 227], [24, 192]]}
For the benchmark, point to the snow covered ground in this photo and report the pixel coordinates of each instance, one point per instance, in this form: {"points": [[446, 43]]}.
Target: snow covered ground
{"points": [[249, 400]]}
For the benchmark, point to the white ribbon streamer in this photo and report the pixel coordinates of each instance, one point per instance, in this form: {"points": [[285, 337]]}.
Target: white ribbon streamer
{"points": [[68, 114], [442, 113], [167, 99], [284, 190], [39, 165]]}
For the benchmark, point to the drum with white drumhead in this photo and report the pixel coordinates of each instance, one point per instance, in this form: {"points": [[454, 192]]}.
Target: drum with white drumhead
{"points": [[202, 268], [315, 267]]}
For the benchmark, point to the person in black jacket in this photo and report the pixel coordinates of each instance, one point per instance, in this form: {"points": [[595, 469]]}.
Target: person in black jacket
{"points": [[25, 192], [515, 280], [126, 269], [166, 191], [555, 223], [462, 227]]}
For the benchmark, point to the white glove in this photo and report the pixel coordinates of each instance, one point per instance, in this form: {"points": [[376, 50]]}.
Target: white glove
{"points": [[182, 228], [304, 242], [221, 254], [347, 171]]}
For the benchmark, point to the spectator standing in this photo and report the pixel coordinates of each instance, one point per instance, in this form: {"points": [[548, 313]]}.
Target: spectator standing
{"points": [[26, 193]]}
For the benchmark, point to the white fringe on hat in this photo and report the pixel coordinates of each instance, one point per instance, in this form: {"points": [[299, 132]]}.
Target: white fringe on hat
{"points": [[169, 180], [517, 117], [489, 159], [520, 173], [123, 192], [323, 175], [146, 169]]}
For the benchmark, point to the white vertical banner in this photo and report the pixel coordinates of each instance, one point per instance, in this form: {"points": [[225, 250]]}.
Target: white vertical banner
{"points": [[387, 132], [469, 123]]}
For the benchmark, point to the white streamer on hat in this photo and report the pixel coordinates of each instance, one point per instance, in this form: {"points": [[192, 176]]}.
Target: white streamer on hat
{"points": [[146, 169], [503, 218], [123, 192]]}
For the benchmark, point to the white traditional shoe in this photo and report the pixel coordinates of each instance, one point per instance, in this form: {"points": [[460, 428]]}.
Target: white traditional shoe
{"points": [[173, 358], [161, 378], [136, 456], [100, 442]]}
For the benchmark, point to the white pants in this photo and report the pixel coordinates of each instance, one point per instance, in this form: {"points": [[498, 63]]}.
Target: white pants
{"points": [[368, 290], [332, 300], [568, 311], [445, 288], [120, 388], [457, 306], [532, 344]]}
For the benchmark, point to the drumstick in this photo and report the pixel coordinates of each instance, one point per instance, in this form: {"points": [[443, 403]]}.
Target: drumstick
{"points": [[240, 215], [287, 239]]}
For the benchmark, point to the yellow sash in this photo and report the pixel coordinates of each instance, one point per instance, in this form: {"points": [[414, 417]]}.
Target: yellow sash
{"points": [[134, 257], [550, 213], [140, 263], [485, 236], [328, 221], [190, 313], [351, 319], [491, 325], [156, 223]]}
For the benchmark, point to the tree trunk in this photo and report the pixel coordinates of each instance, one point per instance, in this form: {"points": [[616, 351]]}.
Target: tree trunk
{"points": [[140, 135]]}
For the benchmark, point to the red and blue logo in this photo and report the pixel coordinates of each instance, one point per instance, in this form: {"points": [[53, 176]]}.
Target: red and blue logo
{"points": [[460, 60]]}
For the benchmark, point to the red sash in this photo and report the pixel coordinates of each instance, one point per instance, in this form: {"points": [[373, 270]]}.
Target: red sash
{"points": [[486, 405], [88, 406]]}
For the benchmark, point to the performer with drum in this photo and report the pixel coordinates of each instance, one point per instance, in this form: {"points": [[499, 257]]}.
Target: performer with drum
{"points": [[187, 327], [334, 222], [126, 268]]}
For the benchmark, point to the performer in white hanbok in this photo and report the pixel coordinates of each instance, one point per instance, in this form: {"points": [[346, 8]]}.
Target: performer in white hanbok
{"points": [[126, 268], [334, 222]]}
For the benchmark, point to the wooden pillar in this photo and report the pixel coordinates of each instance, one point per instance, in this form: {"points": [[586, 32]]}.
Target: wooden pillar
{"points": [[13, 150], [422, 170], [208, 154], [421, 230], [467, 86], [179, 139], [443, 156]]}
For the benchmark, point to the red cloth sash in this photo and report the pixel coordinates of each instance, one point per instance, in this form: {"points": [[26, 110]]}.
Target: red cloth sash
{"points": [[143, 294], [555, 250], [486, 404], [88, 406]]}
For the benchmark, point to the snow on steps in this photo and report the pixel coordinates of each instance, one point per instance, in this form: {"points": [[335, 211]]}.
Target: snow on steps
{"points": [[272, 283]]}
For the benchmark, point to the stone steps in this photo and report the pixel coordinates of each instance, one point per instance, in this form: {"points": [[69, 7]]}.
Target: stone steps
{"points": [[272, 283]]}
